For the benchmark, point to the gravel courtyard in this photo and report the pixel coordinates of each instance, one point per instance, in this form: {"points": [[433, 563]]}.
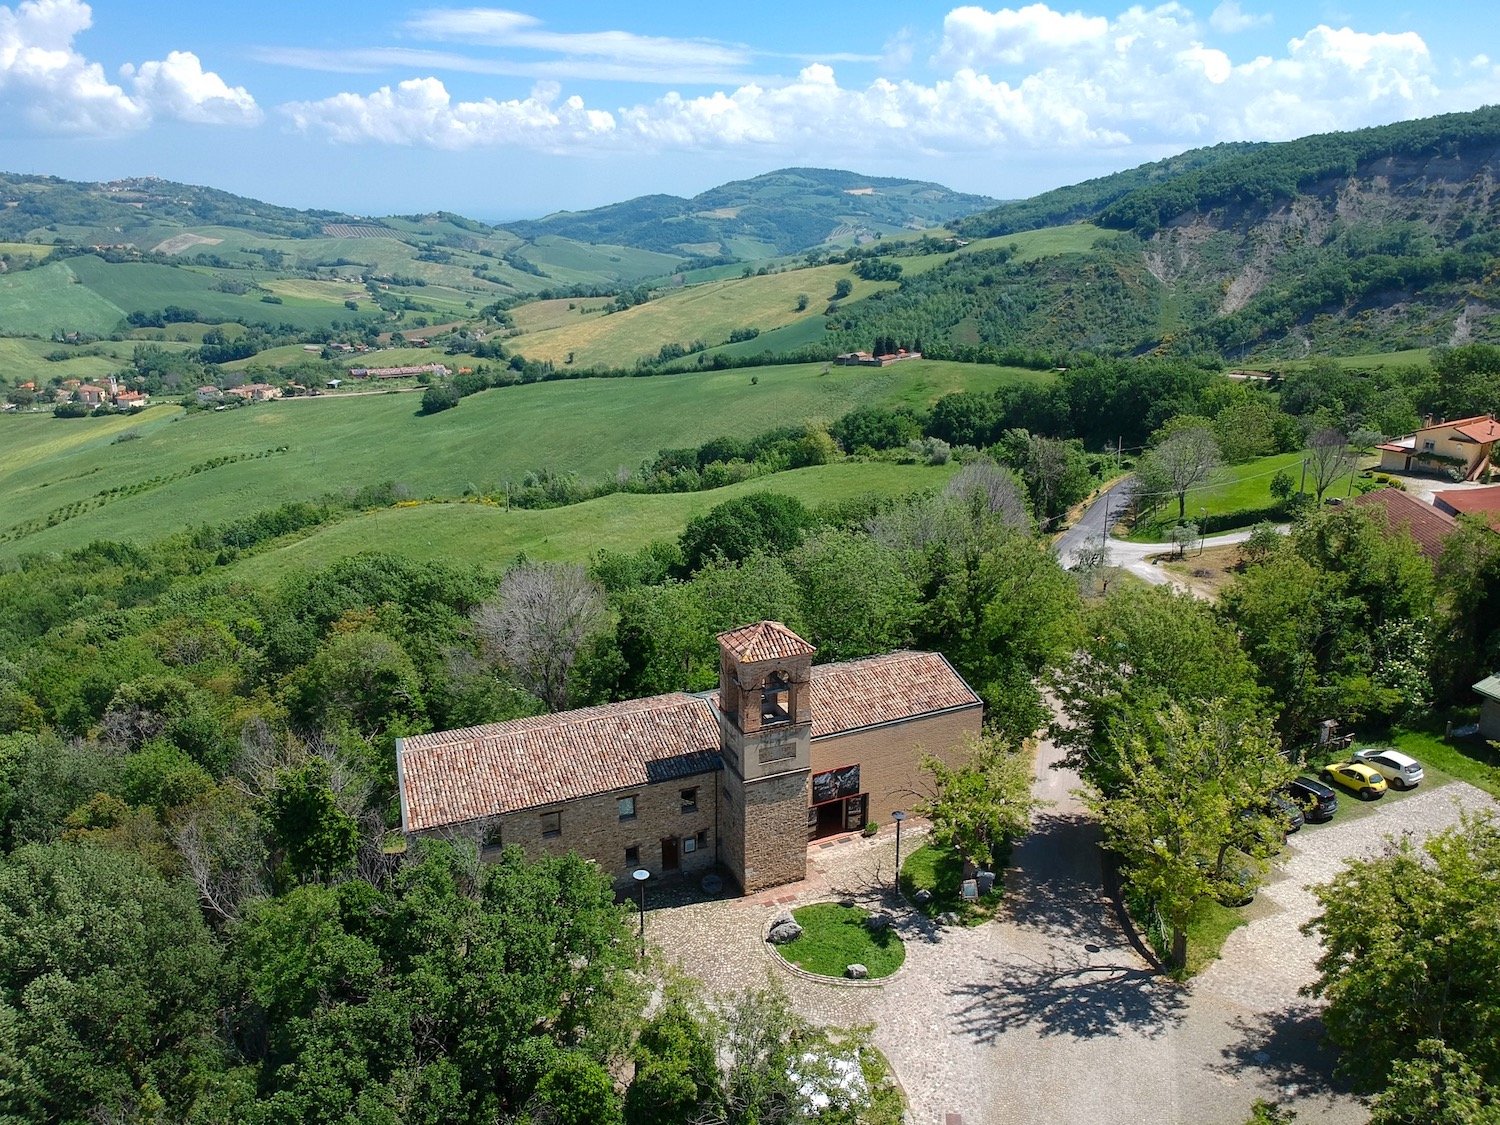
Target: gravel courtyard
{"points": [[1048, 1013]]}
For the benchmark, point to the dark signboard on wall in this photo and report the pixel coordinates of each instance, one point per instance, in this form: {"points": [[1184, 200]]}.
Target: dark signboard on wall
{"points": [[830, 786]]}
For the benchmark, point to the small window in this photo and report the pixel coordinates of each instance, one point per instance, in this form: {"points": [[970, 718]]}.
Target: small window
{"points": [[627, 808], [492, 836], [632, 856], [703, 838], [1428, 446], [552, 823], [689, 844], [689, 800]]}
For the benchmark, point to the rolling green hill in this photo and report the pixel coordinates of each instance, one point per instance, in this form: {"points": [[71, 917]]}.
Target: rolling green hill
{"points": [[777, 213], [490, 537], [71, 481]]}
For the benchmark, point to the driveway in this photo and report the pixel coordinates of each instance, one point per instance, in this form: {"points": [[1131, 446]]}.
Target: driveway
{"points": [[1049, 1013]]}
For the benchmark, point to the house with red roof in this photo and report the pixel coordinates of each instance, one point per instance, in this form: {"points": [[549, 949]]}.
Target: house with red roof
{"points": [[1428, 526], [1482, 502], [1465, 445], [741, 779]]}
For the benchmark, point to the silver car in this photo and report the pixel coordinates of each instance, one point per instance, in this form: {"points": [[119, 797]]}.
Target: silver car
{"points": [[1401, 770]]}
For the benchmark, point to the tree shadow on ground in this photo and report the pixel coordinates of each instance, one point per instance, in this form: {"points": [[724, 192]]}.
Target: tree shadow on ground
{"points": [[1056, 883], [1289, 1047], [1074, 997]]}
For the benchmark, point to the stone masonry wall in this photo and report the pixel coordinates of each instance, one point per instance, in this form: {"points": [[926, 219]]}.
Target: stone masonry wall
{"points": [[775, 832], [591, 826], [890, 757]]}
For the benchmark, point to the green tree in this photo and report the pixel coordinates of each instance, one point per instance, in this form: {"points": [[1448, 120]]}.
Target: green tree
{"points": [[1335, 621], [318, 837], [108, 988], [676, 1067], [984, 803], [1184, 783], [1468, 574], [449, 996], [1186, 457], [1144, 649], [1409, 950], [1436, 1086], [439, 397], [855, 598], [363, 679], [736, 529], [842, 288]]}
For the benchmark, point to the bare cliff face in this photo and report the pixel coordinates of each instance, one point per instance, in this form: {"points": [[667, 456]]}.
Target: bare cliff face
{"points": [[1399, 253]]}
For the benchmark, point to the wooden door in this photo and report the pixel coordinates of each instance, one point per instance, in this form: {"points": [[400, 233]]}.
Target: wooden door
{"points": [[669, 853]]}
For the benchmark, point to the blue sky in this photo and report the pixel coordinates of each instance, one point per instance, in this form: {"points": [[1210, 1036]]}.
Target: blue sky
{"points": [[384, 107]]}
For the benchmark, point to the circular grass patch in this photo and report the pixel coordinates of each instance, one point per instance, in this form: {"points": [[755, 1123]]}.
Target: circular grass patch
{"points": [[834, 937]]}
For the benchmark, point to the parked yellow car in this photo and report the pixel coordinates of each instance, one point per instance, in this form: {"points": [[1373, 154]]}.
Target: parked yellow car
{"points": [[1357, 778]]}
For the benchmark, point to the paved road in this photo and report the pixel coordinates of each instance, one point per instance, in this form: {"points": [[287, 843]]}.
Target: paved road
{"points": [[1093, 525], [1095, 521]]}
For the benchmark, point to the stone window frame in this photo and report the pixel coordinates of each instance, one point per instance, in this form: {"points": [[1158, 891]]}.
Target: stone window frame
{"points": [[689, 799], [702, 838], [626, 802], [551, 824]]}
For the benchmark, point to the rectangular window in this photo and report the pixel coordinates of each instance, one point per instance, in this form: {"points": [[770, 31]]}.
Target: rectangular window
{"points": [[552, 823], [689, 844], [703, 838], [689, 800], [627, 808], [632, 856], [492, 836]]}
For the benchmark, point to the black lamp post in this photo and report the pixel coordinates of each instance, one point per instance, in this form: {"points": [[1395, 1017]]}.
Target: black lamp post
{"points": [[898, 816], [640, 875]]}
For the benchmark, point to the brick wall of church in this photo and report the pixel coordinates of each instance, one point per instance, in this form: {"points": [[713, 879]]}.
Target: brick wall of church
{"points": [[890, 757]]}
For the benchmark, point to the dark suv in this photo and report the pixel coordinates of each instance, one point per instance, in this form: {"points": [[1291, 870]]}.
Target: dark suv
{"points": [[1317, 801]]}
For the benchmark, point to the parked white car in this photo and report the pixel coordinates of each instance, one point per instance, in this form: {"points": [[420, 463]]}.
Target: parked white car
{"points": [[1401, 770]]}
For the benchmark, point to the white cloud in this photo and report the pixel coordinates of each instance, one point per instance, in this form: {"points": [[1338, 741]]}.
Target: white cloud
{"points": [[1230, 18], [497, 27], [974, 36], [178, 86], [420, 111], [1030, 78], [48, 87]]}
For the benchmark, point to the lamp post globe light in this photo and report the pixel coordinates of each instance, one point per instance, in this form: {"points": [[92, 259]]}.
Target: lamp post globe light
{"points": [[640, 875], [898, 816]]}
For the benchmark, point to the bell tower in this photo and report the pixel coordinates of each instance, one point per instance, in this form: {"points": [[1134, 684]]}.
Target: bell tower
{"points": [[765, 737]]}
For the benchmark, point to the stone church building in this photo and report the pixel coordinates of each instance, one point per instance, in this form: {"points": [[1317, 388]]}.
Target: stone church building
{"points": [[784, 752]]}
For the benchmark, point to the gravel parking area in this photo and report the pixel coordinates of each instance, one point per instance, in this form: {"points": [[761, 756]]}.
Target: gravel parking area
{"points": [[1050, 1013]]}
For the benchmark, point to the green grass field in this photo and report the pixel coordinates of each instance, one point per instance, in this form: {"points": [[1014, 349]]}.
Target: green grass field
{"points": [[1411, 357], [1234, 488], [51, 298], [700, 312], [31, 251], [487, 537], [589, 426]]}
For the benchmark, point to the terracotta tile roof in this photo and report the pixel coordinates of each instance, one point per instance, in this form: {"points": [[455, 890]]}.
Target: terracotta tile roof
{"points": [[1483, 431], [451, 777], [1471, 502], [884, 689], [1428, 526], [766, 640]]}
